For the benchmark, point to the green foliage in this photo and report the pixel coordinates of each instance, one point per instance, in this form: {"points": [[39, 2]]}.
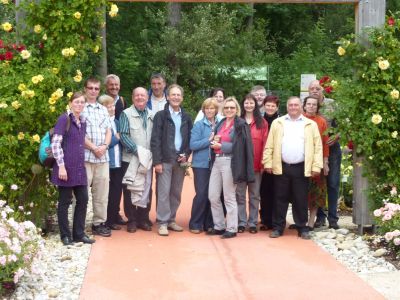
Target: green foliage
{"points": [[369, 106], [51, 53]]}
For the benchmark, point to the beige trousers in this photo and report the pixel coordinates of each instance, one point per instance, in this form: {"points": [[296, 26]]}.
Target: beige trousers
{"points": [[98, 175]]}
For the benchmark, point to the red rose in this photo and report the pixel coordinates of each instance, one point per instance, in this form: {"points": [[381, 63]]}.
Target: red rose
{"points": [[2, 57], [350, 145], [329, 89], [391, 21], [41, 45], [8, 55], [20, 48]]}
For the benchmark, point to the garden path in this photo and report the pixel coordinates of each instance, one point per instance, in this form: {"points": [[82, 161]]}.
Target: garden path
{"points": [[144, 265]]}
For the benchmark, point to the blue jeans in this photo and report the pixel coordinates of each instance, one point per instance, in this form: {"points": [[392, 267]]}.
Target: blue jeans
{"points": [[333, 184], [201, 217]]}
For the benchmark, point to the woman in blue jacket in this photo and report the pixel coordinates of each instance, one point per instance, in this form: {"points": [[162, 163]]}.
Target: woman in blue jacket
{"points": [[200, 139]]}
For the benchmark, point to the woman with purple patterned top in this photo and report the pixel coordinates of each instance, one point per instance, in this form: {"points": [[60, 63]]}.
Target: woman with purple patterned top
{"points": [[69, 173]]}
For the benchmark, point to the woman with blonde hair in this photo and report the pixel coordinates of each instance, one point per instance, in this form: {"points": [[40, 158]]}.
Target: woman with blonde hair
{"points": [[232, 158], [201, 136]]}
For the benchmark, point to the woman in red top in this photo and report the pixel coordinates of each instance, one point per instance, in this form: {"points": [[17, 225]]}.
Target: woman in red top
{"points": [[259, 131], [317, 190]]}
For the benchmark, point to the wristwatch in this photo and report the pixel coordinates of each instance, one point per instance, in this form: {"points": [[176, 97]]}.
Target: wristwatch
{"points": [[106, 145]]}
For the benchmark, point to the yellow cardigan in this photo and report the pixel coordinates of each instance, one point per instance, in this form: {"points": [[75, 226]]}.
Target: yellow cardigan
{"points": [[272, 155]]}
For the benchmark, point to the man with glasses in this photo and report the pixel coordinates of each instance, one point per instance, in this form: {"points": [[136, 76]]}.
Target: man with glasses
{"points": [[334, 160], [157, 94], [259, 92], [98, 138]]}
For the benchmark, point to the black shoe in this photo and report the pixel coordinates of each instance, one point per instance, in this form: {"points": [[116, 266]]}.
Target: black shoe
{"points": [[305, 235], [333, 225], [85, 240], [66, 241], [228, 235], [292, 226], [101, 230], [121, 221], [144, 226], [241, 229], [275, 234], [216, 232], [131, 227], [319, 223], [310, 228], [148, 222], [253, 229], [114, 227], [266, 227]]}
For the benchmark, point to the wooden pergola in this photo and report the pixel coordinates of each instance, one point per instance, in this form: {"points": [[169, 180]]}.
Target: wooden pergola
{"points": [[368, 13]]}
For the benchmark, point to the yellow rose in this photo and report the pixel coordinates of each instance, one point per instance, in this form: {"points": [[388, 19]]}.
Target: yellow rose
{"points": [[35, 80], [72, 51], [44, 37], [78, 78], [65, 52], [1, 186], [7, 26], [25, 54], [21, 136], [36, 138], [341, 51], [59, 93], [77, 15], [55, 70], [394, 134], [96, 49], [3, 105], [52, 101], [334, 83], [69, 95], [4, 2], [37, 29], [112, 14], [16, 104], [394, 94], [52, 108], [22, 87], [376, 119], [28, 94], [383, 64]]}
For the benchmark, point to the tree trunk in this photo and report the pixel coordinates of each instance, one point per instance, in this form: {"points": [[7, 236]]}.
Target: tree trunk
{"points": [[174, 18]]}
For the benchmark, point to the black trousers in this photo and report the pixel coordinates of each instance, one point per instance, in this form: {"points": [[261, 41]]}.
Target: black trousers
{"points": [[136, 215], [64, 201], [291, 185], [114, 195], [267, 199]]}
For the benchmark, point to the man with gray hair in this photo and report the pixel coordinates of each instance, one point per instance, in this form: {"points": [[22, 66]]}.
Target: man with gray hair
{"points": [[259, 92], [157, 94], [113, 86], [136, 125]]}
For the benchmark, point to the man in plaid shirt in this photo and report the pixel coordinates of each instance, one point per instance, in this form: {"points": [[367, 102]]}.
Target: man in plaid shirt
{"points": [[98, 137]]}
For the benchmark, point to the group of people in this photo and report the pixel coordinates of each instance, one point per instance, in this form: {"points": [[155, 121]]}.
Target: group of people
{"points": [[112, 146]]}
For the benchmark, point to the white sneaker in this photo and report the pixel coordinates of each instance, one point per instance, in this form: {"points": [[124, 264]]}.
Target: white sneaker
{"points": [[163, 230], [174, 227]]}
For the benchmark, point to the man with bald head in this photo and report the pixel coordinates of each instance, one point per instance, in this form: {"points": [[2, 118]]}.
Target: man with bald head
{"points": [[335, 158], [293, 153], [136, 124]]}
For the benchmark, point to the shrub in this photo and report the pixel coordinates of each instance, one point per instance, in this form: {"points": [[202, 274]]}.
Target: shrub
{"points": [[388, 219]]}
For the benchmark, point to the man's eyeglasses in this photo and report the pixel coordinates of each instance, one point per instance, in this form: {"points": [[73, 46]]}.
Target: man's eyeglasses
{"points": [[93, 88], [259, 95]]}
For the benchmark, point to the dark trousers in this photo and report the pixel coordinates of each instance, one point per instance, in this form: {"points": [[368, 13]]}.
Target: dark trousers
{"points": [[136, 215], [114, 195], [64, 201], [201, 217], [292, 184], [267, 199], [333, 184]]}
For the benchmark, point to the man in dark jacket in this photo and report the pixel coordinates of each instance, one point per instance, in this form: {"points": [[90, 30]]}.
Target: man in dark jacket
{"points": [[170, 147]]}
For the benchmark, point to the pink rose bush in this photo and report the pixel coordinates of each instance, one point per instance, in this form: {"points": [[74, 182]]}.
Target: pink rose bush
{"points": [[388, 220], [20, 244]]}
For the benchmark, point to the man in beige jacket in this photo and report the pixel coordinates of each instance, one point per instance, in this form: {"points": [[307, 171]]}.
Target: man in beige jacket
{"points": [[293, 153]]}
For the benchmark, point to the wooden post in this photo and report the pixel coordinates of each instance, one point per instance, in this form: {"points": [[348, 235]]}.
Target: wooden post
{"points": [[102, 64], [369, 13]]}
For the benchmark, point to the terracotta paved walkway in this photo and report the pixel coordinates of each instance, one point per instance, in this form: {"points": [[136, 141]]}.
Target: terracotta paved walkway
{"points": [[144, 265]]}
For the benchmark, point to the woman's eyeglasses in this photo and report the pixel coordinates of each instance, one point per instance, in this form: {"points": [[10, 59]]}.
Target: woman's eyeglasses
{"points": [[230, 107]]}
